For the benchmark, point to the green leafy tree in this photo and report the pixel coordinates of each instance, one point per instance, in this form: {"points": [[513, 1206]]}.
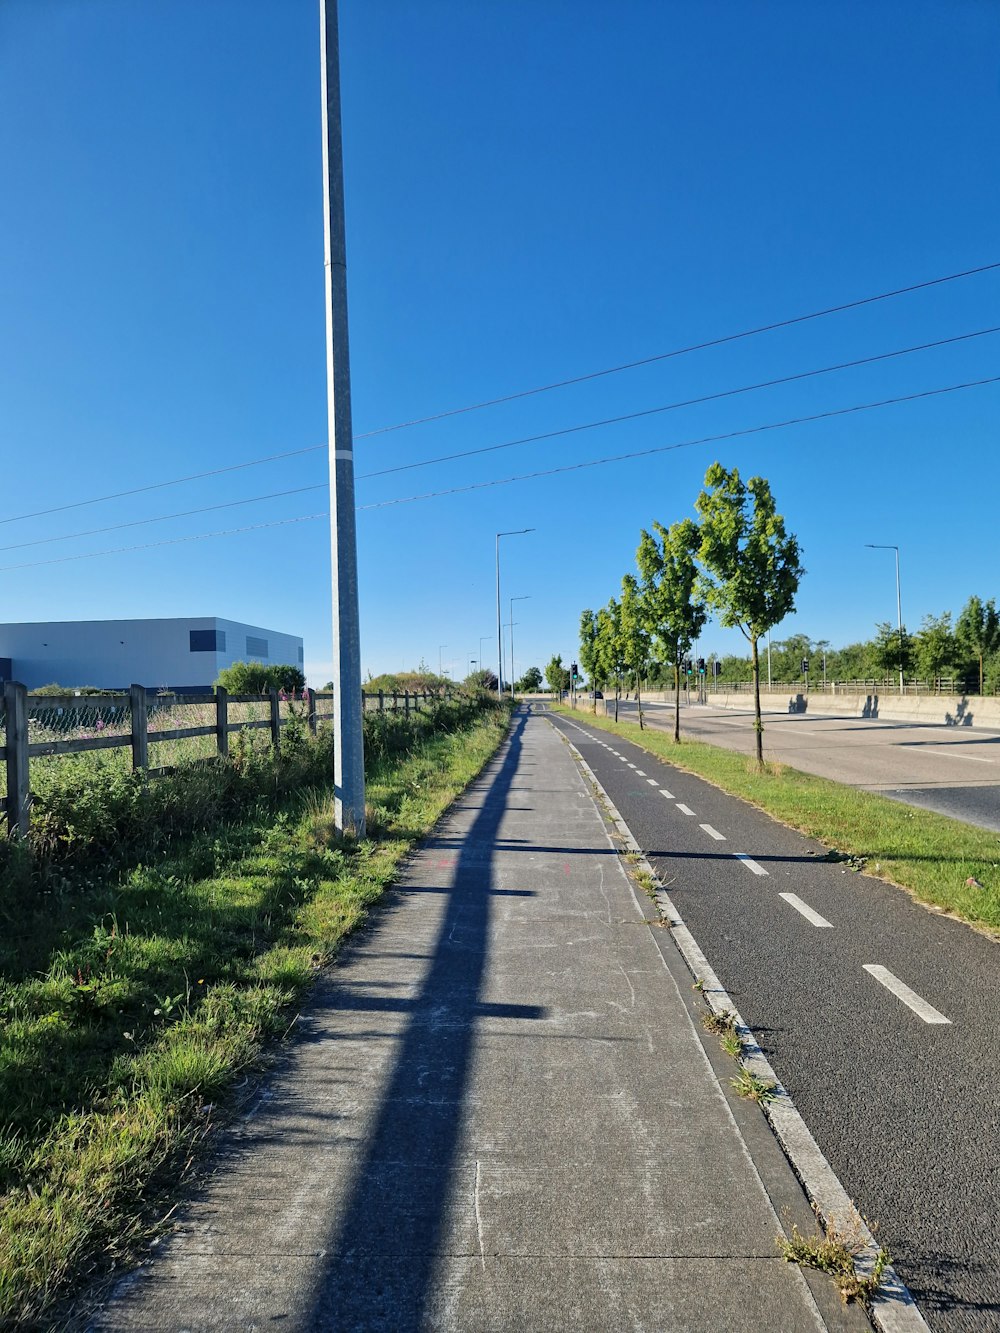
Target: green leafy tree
{"points": [[486, 680], [611, 647], [935, 646], [635, 636], [256, 678], [530, 681], [891, 650], [589, 657], [751, 563], [557, 675], [977, 631], [675, 609]]}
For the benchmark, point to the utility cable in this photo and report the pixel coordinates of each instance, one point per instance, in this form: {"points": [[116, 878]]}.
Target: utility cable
{"points": [[684, 351], [525, 393], [163, 518], [686, 402], [531, 476], [684, 444], [170, 541], [159, 485]]}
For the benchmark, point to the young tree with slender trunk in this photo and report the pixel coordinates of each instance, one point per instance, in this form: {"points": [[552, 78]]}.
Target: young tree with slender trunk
{"points": [[751, 563], [675, 609], [589, 656], [610, 647], [635, 636], [978, 631]]}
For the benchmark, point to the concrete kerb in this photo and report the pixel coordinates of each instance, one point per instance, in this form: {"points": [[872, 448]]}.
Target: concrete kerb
{"points": [[893, 1309]]}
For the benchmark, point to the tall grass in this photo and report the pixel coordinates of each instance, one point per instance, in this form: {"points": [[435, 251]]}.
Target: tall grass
{"points": [[147, 954]]}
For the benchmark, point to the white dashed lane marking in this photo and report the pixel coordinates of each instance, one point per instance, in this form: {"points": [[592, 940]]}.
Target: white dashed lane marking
{"points": [[639, 773], [713, 832], [669, 795], [652, 782], [902, 992], [750, 863], [684, 809], [795, 901]]}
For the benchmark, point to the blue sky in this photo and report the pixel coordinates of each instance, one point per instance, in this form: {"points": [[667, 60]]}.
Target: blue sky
{"points": [[534, 191]]}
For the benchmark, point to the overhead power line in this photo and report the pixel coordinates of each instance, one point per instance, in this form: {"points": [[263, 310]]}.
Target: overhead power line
{"points": [[163, 518], [684, 351], [684, 444], [169, 541], [159, 485], [531, 476], [525, 393], [685, 402]]}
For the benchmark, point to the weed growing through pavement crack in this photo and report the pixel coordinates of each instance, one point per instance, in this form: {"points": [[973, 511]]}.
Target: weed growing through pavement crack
{"points": [[836, 1253], [760, 1090]]}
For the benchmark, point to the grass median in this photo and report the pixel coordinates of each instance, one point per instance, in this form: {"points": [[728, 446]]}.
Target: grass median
{"points": [[128, 1021], [943, 861]]}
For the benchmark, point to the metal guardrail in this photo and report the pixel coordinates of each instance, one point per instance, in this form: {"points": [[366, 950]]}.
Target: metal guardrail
{"points": [[944, 685]]}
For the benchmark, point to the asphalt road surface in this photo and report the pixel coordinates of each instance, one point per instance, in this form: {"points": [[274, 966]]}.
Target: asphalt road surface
{"points": [[878, 1016], [951, 770]]}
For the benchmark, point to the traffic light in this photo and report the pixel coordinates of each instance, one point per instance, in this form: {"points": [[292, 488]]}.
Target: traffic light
{"points": [[716, 668], [687, 666], [701, 666], [805, 666], [574, 672]]}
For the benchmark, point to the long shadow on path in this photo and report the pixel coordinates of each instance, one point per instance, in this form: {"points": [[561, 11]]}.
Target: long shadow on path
{"points": [[380, 1268]]}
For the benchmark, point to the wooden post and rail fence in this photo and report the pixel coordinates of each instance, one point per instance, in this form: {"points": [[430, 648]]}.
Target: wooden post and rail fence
{"points": [[18, 749]]}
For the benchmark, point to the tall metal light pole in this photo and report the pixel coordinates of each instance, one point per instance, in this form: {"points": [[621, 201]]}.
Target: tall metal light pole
{"points": [[525, 598], [348, 739], [874, 546], [517, 532]]}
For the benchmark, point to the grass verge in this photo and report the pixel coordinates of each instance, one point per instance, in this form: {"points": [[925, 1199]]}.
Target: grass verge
{"points": [[943, 861], [159, 987]]}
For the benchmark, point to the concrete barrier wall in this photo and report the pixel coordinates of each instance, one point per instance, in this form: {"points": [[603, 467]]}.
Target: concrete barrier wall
{"points": [[950, 710]]}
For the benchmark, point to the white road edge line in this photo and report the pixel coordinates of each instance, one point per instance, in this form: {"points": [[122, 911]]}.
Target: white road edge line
{"points": [[893, 1309], [943, 749], [684, 809], [795, 901], [713, 832], [902, 992], [750, 863]]}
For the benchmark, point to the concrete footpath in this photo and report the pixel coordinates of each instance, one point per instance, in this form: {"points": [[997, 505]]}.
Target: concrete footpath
{"points": [[499, 1115]]}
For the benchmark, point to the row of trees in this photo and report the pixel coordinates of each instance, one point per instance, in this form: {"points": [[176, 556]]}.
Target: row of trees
{"points": [[738, 562], [966, 651]]}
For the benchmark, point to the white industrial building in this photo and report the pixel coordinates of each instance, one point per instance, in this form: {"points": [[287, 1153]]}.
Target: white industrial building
{"points": [[184, 654]]}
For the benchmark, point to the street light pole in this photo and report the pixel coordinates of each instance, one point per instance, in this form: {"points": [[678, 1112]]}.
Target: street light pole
{"points": [[873, 546], [348, 738], [525, 598], [517, 532]]}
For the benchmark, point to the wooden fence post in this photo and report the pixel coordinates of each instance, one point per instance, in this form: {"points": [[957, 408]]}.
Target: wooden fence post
{"points": [[222, 721], [381, 701], [311, 708], [275, 717], [140, 727], [15, 702], [406, 705]]}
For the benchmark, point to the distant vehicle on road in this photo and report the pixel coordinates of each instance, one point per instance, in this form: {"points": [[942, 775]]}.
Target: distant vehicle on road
{"points": [[595, 694]]}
